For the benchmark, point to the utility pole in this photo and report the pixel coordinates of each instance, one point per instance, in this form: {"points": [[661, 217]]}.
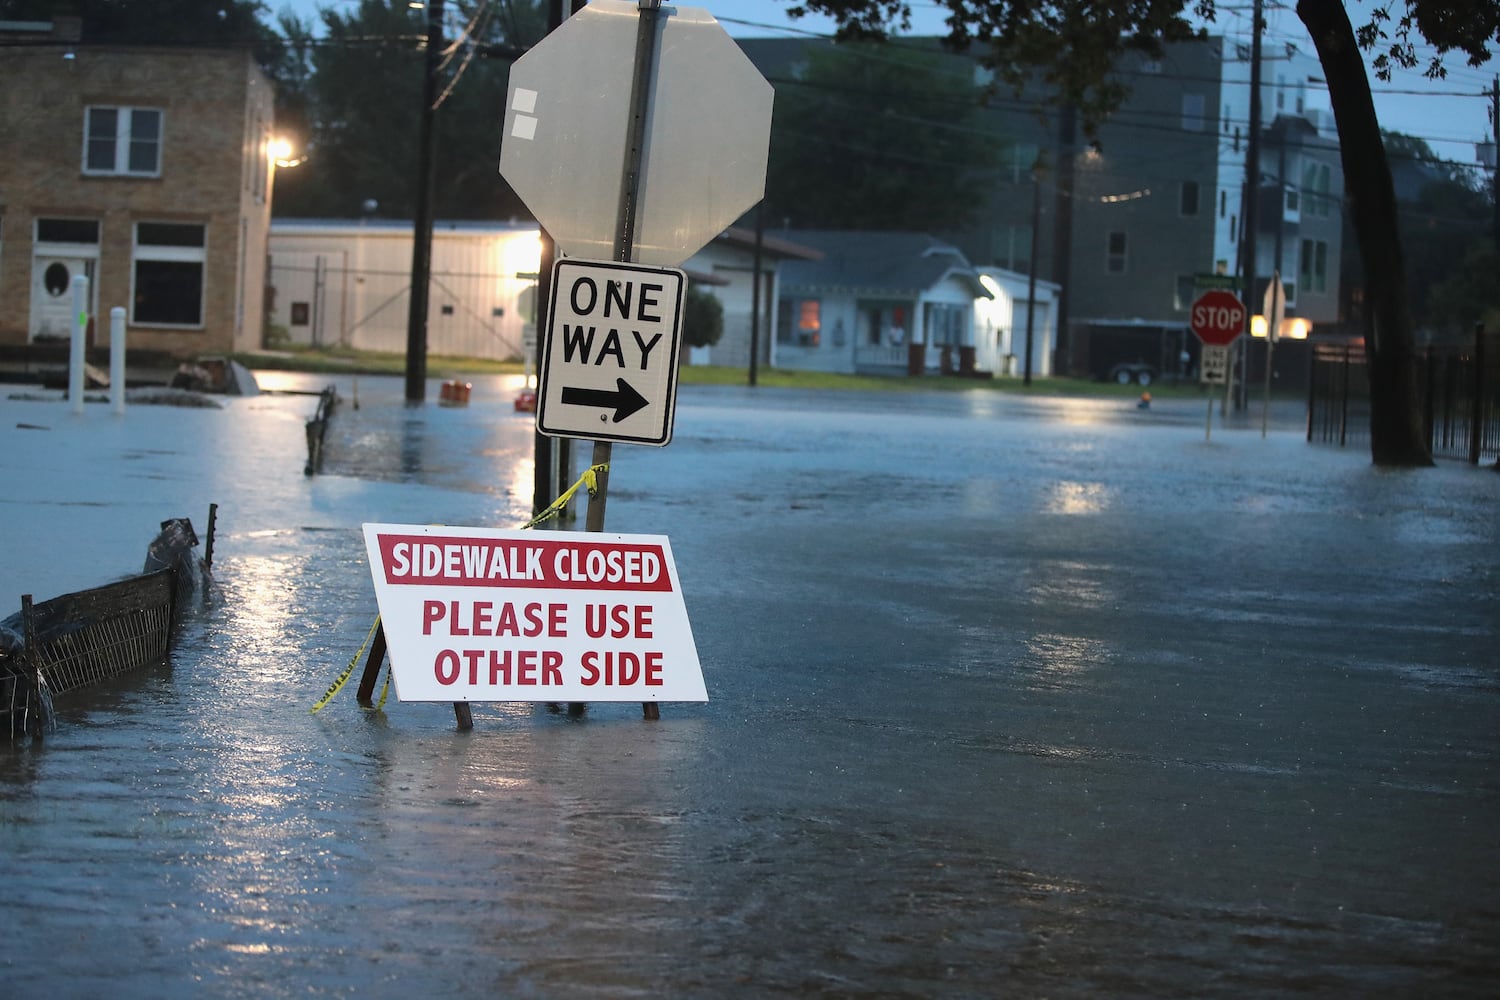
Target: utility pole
{"points": [[421, 241], [1495, 161], [552, 461], [1251, 220], [1037, 169], [1062, 234]]}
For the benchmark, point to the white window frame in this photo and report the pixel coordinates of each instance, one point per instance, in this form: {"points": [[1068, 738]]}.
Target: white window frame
{"points": [[170, 254], [1312, 266], [124, 122], [1317, 187]]}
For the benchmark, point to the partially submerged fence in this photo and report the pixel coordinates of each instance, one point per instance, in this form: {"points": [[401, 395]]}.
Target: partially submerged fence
{"points": [[1461, 404]]}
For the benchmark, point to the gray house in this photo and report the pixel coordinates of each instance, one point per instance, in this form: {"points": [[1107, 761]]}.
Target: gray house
{"points": [[877, 303]]}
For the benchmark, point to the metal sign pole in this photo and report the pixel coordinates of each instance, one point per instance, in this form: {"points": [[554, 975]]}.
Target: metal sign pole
{"points": [[640, 96], [625, 222]]}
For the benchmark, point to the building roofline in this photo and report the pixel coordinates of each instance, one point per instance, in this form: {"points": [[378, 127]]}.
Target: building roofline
{"points": [[770, 244]]}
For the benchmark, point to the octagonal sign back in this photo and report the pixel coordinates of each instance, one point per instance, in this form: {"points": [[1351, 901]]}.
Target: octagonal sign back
{"points": [[567, 121]]}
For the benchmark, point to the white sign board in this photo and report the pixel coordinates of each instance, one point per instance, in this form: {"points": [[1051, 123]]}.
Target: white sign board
{"points": [[481, 614], [1273, 306], [1214, 364], [567, 131], [609, 371]]}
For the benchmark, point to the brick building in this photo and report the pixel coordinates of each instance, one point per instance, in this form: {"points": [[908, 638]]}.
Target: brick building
{"points": [[146, 170]]}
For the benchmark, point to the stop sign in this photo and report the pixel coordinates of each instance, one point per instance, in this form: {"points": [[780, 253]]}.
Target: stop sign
{"points": [[567, 120], [1217, 317]]}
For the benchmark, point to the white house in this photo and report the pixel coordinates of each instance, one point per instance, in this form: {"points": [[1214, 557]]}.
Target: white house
{"points": [[1001, 324], [890, 302]]}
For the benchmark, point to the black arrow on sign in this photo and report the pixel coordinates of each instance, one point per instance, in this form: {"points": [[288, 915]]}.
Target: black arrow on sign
{"points": [[623, 399]]}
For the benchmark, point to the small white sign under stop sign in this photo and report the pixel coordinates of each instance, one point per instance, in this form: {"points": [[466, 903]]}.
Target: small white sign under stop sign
{"points": [[482, 614], [1214, 364]]}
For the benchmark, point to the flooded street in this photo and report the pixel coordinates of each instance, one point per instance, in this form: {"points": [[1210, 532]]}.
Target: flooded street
{"points": [[1008, 697]]}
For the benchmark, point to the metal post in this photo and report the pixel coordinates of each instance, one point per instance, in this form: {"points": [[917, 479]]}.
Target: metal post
{"points": [[625, 220], [373, 662], [1344, 400], [76, 342], [1312, 389], [755, 279], [544, 463], [630, 184], [208, 544], [1476, 400], [117, 359], [1036, 227]]}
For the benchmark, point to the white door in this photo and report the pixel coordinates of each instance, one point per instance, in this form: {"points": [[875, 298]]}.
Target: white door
{"points": [[52, 295]]}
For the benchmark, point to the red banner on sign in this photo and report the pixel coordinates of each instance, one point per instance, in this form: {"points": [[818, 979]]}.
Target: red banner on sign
{"points": [[459, 561]]}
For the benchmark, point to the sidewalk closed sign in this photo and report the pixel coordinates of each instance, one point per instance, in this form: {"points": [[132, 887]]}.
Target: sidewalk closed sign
{"points": [[480, 614]]}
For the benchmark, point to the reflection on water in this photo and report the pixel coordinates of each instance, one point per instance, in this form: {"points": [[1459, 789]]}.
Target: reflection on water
{"points": [[1069, 583], [412, 425], [1069, 497], [1062, 660]]}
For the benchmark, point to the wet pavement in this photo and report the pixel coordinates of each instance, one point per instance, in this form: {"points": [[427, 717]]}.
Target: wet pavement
{"points": [[1008, 696]]}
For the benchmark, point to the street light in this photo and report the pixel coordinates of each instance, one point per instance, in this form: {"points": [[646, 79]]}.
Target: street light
{"points": [[282, 153], [1292, 328]]}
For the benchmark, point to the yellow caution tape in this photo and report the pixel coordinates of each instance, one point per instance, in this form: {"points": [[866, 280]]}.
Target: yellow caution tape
{"points": [[385, 688], [589, 479], [343, 678]]}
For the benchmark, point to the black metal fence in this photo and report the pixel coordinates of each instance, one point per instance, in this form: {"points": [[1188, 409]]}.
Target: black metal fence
{"points": [[1461, 405]]}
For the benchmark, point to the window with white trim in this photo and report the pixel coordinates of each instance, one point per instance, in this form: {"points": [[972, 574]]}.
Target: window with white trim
{"points": [[800, 322], [1317, 182], [122, 141], [167, 273], [1312, 273]]}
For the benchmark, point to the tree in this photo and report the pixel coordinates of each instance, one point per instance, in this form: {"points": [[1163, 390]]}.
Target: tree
{"points": [[1445, 215], [1073, 44], [158, 22], [1468, 295], [869, 137], [363, 91], [702, 318]]}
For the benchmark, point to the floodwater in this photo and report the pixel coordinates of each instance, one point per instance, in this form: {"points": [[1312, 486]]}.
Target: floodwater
{"points": [[1009, 697]]}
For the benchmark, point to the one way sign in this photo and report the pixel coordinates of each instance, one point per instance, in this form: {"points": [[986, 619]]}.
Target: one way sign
{"points": [[614, 332]]}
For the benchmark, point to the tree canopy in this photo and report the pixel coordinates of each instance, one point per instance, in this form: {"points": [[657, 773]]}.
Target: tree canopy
{"points": [[159, 22], [358, 87], [868, 137], [1445, 213]]}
